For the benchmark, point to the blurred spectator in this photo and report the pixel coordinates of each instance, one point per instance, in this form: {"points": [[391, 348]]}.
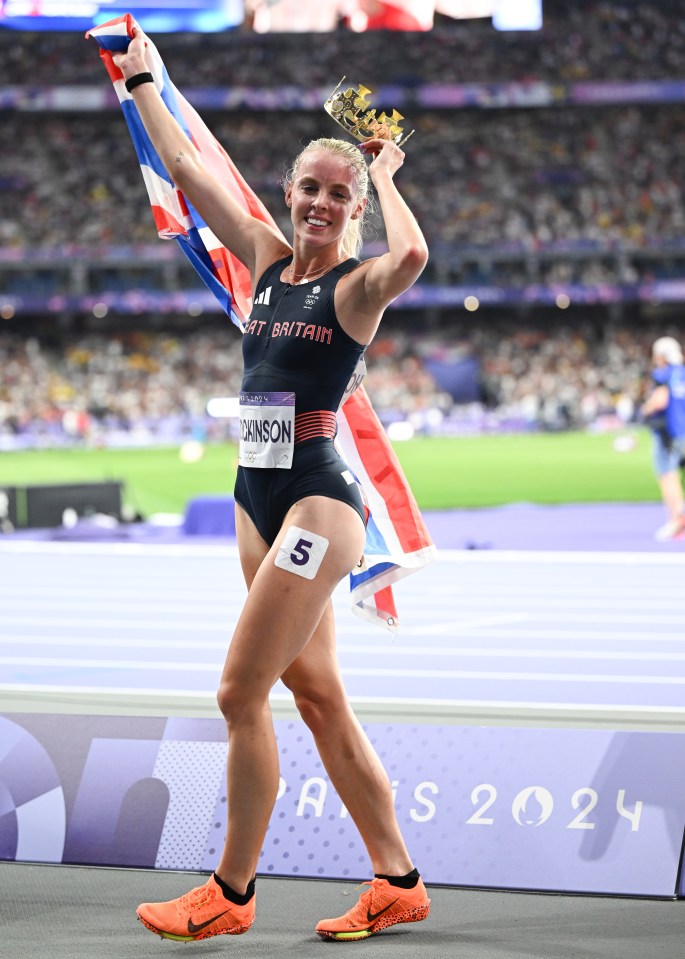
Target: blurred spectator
{"points": [[664, 411]]}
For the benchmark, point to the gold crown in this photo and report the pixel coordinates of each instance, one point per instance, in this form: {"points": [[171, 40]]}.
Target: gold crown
{"points": [[350, 109]]}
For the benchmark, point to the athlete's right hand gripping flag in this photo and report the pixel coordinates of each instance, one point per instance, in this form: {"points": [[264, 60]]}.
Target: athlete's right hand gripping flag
{"points": [[397, 541]]}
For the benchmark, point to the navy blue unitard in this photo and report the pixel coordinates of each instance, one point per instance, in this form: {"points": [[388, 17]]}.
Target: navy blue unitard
{"points": [[293, 343]]}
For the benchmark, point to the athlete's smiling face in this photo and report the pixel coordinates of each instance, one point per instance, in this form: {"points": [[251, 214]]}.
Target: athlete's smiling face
{"points": [[323, 197]]}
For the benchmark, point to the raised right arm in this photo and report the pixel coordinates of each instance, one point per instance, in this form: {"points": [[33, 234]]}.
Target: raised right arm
{"points": [[254, 243]]}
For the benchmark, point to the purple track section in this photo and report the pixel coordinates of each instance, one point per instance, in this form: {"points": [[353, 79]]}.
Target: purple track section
{"points": [[625, 527]]}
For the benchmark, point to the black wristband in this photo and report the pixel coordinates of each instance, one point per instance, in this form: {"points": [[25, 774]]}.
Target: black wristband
{"points": [[139, 78]]}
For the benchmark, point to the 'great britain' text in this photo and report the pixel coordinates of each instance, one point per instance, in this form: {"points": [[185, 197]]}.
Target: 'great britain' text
{"points": [[306, 331]]}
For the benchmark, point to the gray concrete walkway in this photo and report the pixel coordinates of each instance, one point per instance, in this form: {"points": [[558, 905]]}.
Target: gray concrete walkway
{"points": [[68, 912]]}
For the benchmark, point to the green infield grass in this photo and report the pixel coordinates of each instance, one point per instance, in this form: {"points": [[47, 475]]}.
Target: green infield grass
{"points": [[445, 473]]}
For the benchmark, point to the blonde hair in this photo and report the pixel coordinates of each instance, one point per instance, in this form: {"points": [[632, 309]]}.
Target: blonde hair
{"points": [[352, 240]]}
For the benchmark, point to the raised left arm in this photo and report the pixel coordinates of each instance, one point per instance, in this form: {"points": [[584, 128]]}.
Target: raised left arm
{"points": [[398, 269]]}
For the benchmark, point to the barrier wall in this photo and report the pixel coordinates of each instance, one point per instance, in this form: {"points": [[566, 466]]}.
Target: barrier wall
{"points": [[563, 810], [43, 506]]}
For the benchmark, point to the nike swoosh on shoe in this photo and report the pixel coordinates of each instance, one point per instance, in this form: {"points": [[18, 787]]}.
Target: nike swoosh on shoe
{"points": [[371, 917], [192, 928]]}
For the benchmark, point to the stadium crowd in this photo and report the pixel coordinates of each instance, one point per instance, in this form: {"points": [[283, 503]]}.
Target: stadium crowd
{"points": [[586, 39], [565, 194], [482, 183], [499, 181], [156, 385]]}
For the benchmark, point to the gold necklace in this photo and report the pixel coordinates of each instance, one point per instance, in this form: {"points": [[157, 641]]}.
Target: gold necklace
{"points": [[297, 278]]}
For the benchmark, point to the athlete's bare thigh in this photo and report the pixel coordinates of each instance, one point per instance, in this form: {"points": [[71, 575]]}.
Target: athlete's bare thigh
{"points": [[320, 541]]}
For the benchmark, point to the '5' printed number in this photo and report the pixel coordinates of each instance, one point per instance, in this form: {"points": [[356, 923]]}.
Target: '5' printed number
{"points": [[300, 553]]}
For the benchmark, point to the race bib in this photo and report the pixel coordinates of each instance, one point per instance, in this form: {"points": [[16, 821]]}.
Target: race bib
{"points": [[267, 430]]}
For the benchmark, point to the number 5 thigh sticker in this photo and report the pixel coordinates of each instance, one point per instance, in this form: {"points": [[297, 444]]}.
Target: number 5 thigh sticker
{"points": [[301, 552]]}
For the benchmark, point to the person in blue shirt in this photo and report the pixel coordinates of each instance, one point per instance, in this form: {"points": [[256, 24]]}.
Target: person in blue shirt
{"points": [[664, 410]]}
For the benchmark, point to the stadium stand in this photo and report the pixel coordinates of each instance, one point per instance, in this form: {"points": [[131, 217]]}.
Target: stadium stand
{"points": [[544, 165]]}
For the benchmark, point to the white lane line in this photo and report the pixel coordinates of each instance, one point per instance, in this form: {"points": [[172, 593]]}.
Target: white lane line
{"points": [[514, 677], [478, 652], [197, 626], [185, 550], [351, 649], [426, 595], [133, 664], [193, 625], [654, 618], [539, 631], [9, 592], [480, 622], [116, 642], [189, 550], [481, 590], [123, 605], [649, 618], [232, 606], [534, 602], [385, 673], [521, 557]]}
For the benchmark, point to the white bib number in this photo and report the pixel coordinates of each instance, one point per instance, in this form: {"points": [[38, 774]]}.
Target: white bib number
{"points": [[267, 430]]}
